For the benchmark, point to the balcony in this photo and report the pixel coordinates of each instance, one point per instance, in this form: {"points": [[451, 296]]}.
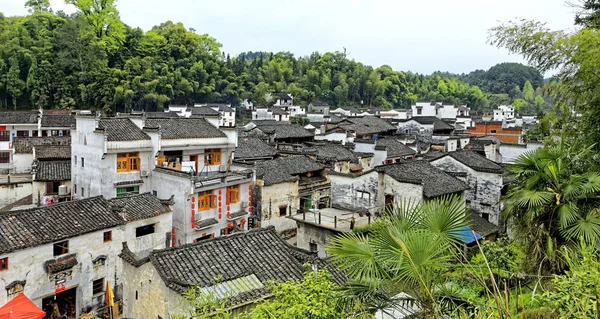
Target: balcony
{"points": [[307, 185]]}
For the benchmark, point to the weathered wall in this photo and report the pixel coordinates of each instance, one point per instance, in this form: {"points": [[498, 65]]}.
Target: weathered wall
{"points": [[484, 188], [39, 191], [511, 152], [22, 163], [402, 191], [10, 193], [275, 196], [354, 192], [308, 233]]}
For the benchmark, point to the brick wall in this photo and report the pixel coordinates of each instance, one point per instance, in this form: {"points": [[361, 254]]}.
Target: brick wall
{"points": [[507, 135]]}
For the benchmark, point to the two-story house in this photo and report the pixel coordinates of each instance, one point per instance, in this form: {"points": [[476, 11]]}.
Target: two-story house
{"points": [[68, 252]]}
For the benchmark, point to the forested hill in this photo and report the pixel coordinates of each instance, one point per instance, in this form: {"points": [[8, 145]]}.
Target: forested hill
{"points": [[92, 60]]}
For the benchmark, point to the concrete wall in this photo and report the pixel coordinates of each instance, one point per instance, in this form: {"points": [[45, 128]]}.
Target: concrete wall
{"points": [[510, 152], [307, 233], [22, 163], [354, 192], [426, 107], [451, 145], [484, 188], [401, 191], [447, 112], [379, 156], [275, 196], [10, 193]]}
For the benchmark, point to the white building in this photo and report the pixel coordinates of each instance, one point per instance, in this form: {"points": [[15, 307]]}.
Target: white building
{"points": [[396, 114], [504, 112], [227, 114], [68, 252], [281, 99], [424, 109]]}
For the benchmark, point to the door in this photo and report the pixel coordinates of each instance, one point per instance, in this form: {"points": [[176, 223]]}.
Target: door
{"points": [[194, 158]]}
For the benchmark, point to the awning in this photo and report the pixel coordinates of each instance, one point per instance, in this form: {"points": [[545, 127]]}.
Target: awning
{"points": [[21, 308], [468, 236]]}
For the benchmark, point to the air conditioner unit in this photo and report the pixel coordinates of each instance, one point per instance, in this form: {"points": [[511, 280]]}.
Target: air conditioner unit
{"points": [[62, 190], [144, 173]]}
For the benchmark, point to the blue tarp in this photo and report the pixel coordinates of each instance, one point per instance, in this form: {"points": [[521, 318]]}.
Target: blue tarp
{"points": [[466, 235]]}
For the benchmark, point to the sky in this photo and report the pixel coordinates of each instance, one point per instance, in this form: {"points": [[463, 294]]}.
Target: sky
{"points": [[409, 35]]}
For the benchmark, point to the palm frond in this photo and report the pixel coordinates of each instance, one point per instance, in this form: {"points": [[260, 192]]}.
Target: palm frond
{"points": [[445, 217], [586, 227], [355, 254]]}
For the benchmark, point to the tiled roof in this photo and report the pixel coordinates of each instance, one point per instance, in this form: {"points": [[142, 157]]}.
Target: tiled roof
{"points": [[435, 182], [393, 147], [367, 125], [19, 117], [225, 108], [260, 252], [205, 223], [24, 145], [283, 96], [316, 103], [182, 128], [285, 169], [279, 111], [49, 152], [142, 206], [480, 225], [285, 131], [47, 171], [204, 111], [476, 161], [334, 152], [334, 119], [43, 225], [62, 120], [160, 115], [438, 125], [121, 129], [252, 147]]}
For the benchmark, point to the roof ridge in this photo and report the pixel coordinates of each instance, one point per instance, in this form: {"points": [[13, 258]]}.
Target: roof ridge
{"points": [[20, 211]]}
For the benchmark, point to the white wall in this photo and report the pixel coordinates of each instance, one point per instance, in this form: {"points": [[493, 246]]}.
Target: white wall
{"points": [[510, 152], [402, 191], [426, 109], [274, 196], [10, 193]]}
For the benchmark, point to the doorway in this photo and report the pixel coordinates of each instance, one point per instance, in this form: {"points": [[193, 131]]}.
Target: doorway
{"points": [[66, 302]]}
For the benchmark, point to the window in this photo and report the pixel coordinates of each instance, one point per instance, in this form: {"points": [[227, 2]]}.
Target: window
{"points": [[54, 132], [206, 201], [205, 237], [212, 156], [4, 136], [4, 157], [485, 216], [34, 133], [124, 191], [52, 187], [233, 194], [154, 193], [82, 162], [82, 192], [22, 133], [144, 230], [419, 111], [282, 210], [313, 247], [75, 159], [492, 131], [128, 162], [107, 236], [75, 188], [61, 248], [98, 286], [4, 264]]}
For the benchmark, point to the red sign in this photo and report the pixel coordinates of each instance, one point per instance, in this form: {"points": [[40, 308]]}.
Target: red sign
{"points": [[60, 288]]}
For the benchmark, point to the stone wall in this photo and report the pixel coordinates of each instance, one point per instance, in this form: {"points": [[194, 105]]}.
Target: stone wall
{"points": [[354, 192]]}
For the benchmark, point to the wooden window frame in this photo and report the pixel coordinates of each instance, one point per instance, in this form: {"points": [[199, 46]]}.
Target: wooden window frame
{"points": [[107, 236], [206, 201], [98, 286], [4, 136], [64, 249], [3, 263], [123, 191], [128, 162], [212, 156], [233, 194], [4, 157]]}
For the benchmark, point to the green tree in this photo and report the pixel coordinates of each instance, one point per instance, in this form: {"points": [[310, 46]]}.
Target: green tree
{"points": [[553, 203], [35, 6], [103, 17], [14, 84], [407, 251], [539, 103], [528, 91], [518, 104]]}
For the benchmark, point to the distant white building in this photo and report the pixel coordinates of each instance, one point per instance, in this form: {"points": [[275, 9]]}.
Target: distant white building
{"points": [[504, 112], [396, 114], [440, 110]]}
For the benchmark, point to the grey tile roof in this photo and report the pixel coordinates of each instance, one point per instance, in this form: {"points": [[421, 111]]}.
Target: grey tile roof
{"points": [[142, 206], [435, 181], [260, 252], [438, 125], [47, 171], [204, 111], [62, 120], [50, 152], [24, 145], [367, 125], [317, 103], [334, 119], [182, 128], [205, 223], [121, 129], [476, 161], [160, 115], [285, 169], [393, 147], [283, 96], [43, 225], [19, 117], [252, 147], [283, 131], [480, 225], [279, 111], [334, 152]]}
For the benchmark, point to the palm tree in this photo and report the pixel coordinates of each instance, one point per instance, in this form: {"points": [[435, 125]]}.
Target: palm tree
{"points": [[553, 204], [406, 254]]}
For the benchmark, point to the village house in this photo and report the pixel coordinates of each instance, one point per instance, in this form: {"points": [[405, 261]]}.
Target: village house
{"points": [[51, 174], [281, 99], [509, 135], [68, 252], [276, 133], [427, 125], [386, 150], [396, 114], [227, 114], [485, 180], [250, 150], [487, 146], [12, 125], [53, 124], [286, 185], [238, 268], [504, 112], [346, 111], [318, 107], [280, 115], [367, 127], [339, 158]]}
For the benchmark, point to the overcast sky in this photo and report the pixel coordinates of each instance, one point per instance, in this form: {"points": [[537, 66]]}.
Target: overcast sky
{"points": [[409, 35]]}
